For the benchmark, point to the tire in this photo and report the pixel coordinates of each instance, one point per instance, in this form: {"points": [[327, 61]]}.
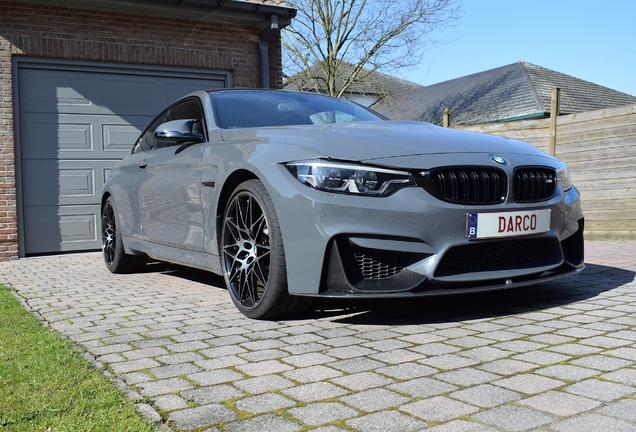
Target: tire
{"points": [[115, 258], [253, 256]]}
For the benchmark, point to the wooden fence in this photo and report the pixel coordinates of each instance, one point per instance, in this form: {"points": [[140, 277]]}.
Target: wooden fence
{"points": [[600, 148]]}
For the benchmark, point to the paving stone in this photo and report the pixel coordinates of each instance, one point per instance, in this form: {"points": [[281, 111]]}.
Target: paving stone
{"points": [[507, 366], [308, 359], [559, 403], [448, 361], [513, 418], [593, 423], [519, 346], [260, 345], [486, 395], [435, 349], [622, 376], [529, 384], [165, 386], [462, 426], [605, 342], [387, 345], [601, 362], [173, 359], [202, 416], [212, 394], [573, 349], [567, 372], [600, 390], [264, 368], [220, 362], [362, 381], [170, 402], [423, 387], [312, 374], [148, 412], [438, 409], [259, 356], [541, 357], [319, 413], [625, 353], [174, 370], [315, 392], [466, 377], [356, 364], [386, 421], [134, 365], [264, 403], [262, 384], [305, 348], [374, 400], [397, 356], [349, 352], [267, 422], [215, 376], [405, 371], [624, 409]]}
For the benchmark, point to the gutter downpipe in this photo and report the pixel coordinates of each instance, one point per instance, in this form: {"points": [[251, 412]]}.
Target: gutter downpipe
{"points": [[263, 44]]}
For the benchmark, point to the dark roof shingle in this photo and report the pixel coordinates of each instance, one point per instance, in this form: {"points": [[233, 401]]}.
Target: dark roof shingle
{"points": [[516, 91]]}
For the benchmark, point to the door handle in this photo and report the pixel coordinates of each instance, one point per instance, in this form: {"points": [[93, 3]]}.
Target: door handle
{"points": [[142, 164]]}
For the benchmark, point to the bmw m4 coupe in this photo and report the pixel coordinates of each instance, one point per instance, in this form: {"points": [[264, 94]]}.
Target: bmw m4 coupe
{"points": [[292, 196]]}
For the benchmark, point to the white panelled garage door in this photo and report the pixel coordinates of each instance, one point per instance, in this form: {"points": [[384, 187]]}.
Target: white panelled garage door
{"points": [[76, 120]]}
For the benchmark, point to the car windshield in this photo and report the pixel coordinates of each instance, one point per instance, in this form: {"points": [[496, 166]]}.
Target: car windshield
{"points": [[254, 108]]}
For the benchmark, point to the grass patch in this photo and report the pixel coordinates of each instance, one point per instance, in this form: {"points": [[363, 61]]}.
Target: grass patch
{"points": [[46, 384]]}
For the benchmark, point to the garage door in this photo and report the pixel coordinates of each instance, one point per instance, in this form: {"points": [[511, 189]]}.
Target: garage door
{"points": [[75, 122]]}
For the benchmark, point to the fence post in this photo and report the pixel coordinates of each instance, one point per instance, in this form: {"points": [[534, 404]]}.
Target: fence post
{"points": [[554, 113], [446, 116]]}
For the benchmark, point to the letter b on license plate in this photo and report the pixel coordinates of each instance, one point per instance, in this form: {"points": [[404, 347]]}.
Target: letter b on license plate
{"points": [[507, 224]]}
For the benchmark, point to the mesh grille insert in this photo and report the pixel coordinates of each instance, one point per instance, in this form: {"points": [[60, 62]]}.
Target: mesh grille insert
{"points": [[499, 255], [371, 264]]}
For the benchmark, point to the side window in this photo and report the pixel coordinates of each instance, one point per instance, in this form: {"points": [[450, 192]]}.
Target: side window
{"points": [[185, 110]]}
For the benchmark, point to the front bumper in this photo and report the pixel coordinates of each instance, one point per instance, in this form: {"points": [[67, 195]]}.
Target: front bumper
{"points": [[412, 244]]}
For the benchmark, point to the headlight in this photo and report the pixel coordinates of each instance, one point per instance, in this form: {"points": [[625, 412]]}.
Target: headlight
{"points": [[564, 179], [350, 179]]}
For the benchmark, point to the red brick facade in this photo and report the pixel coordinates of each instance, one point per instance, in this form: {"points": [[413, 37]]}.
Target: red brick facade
{"points": [[76, 34]]}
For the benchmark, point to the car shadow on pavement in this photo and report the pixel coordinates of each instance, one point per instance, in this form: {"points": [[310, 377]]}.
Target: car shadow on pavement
{"points": [[594, 280]]}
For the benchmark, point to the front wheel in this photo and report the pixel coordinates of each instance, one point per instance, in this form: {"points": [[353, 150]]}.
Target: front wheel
{"points": [[253, 256]]}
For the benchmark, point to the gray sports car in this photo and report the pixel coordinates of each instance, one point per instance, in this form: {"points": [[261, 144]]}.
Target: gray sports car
{"points": [[293, 195]]}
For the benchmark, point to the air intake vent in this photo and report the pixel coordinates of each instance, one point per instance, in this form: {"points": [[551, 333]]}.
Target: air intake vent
{"points": [[500, 255], [467, 185], [534, 184]]}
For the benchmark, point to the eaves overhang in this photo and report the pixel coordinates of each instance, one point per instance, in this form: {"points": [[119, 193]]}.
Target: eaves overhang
{"points": [[252, 13]]}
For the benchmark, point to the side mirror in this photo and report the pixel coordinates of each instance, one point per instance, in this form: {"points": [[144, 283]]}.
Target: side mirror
{"points": [[180, 131]]}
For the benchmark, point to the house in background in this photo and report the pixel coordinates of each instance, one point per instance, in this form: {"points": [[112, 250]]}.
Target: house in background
{"points": [[370, 87], [80, 79], [519, 91]]}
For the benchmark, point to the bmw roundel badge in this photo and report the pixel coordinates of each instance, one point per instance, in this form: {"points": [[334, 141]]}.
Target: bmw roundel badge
{"points": [[498, 160]]}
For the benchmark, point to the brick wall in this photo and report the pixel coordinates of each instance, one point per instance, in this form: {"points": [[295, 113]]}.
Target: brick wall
{"points": [[75, 34]]}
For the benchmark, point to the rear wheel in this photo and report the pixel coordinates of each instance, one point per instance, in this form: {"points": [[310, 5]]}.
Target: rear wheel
{"points": [[115, 258], [253, 255]]}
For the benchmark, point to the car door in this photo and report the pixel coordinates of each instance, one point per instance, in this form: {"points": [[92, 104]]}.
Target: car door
{"points": [[168, 188]]}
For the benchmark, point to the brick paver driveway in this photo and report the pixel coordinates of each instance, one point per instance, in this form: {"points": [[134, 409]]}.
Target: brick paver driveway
{"points": [[553, 357]]}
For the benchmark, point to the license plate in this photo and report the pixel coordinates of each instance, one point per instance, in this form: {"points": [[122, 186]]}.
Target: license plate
{"points": [[507, 224]]}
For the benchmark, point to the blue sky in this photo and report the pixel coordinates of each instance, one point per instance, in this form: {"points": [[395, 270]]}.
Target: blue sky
{"points": [[590, 40]]}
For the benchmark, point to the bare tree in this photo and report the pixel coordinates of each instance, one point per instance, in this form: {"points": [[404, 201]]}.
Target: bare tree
{"points": [[332, 45]]}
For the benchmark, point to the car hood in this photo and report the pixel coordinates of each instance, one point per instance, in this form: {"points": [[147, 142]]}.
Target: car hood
{"points": [[373, 141]]}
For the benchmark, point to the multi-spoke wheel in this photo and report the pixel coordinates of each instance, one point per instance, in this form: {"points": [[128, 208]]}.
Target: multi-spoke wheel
{"points": [[252, 253], [117, 261]]}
